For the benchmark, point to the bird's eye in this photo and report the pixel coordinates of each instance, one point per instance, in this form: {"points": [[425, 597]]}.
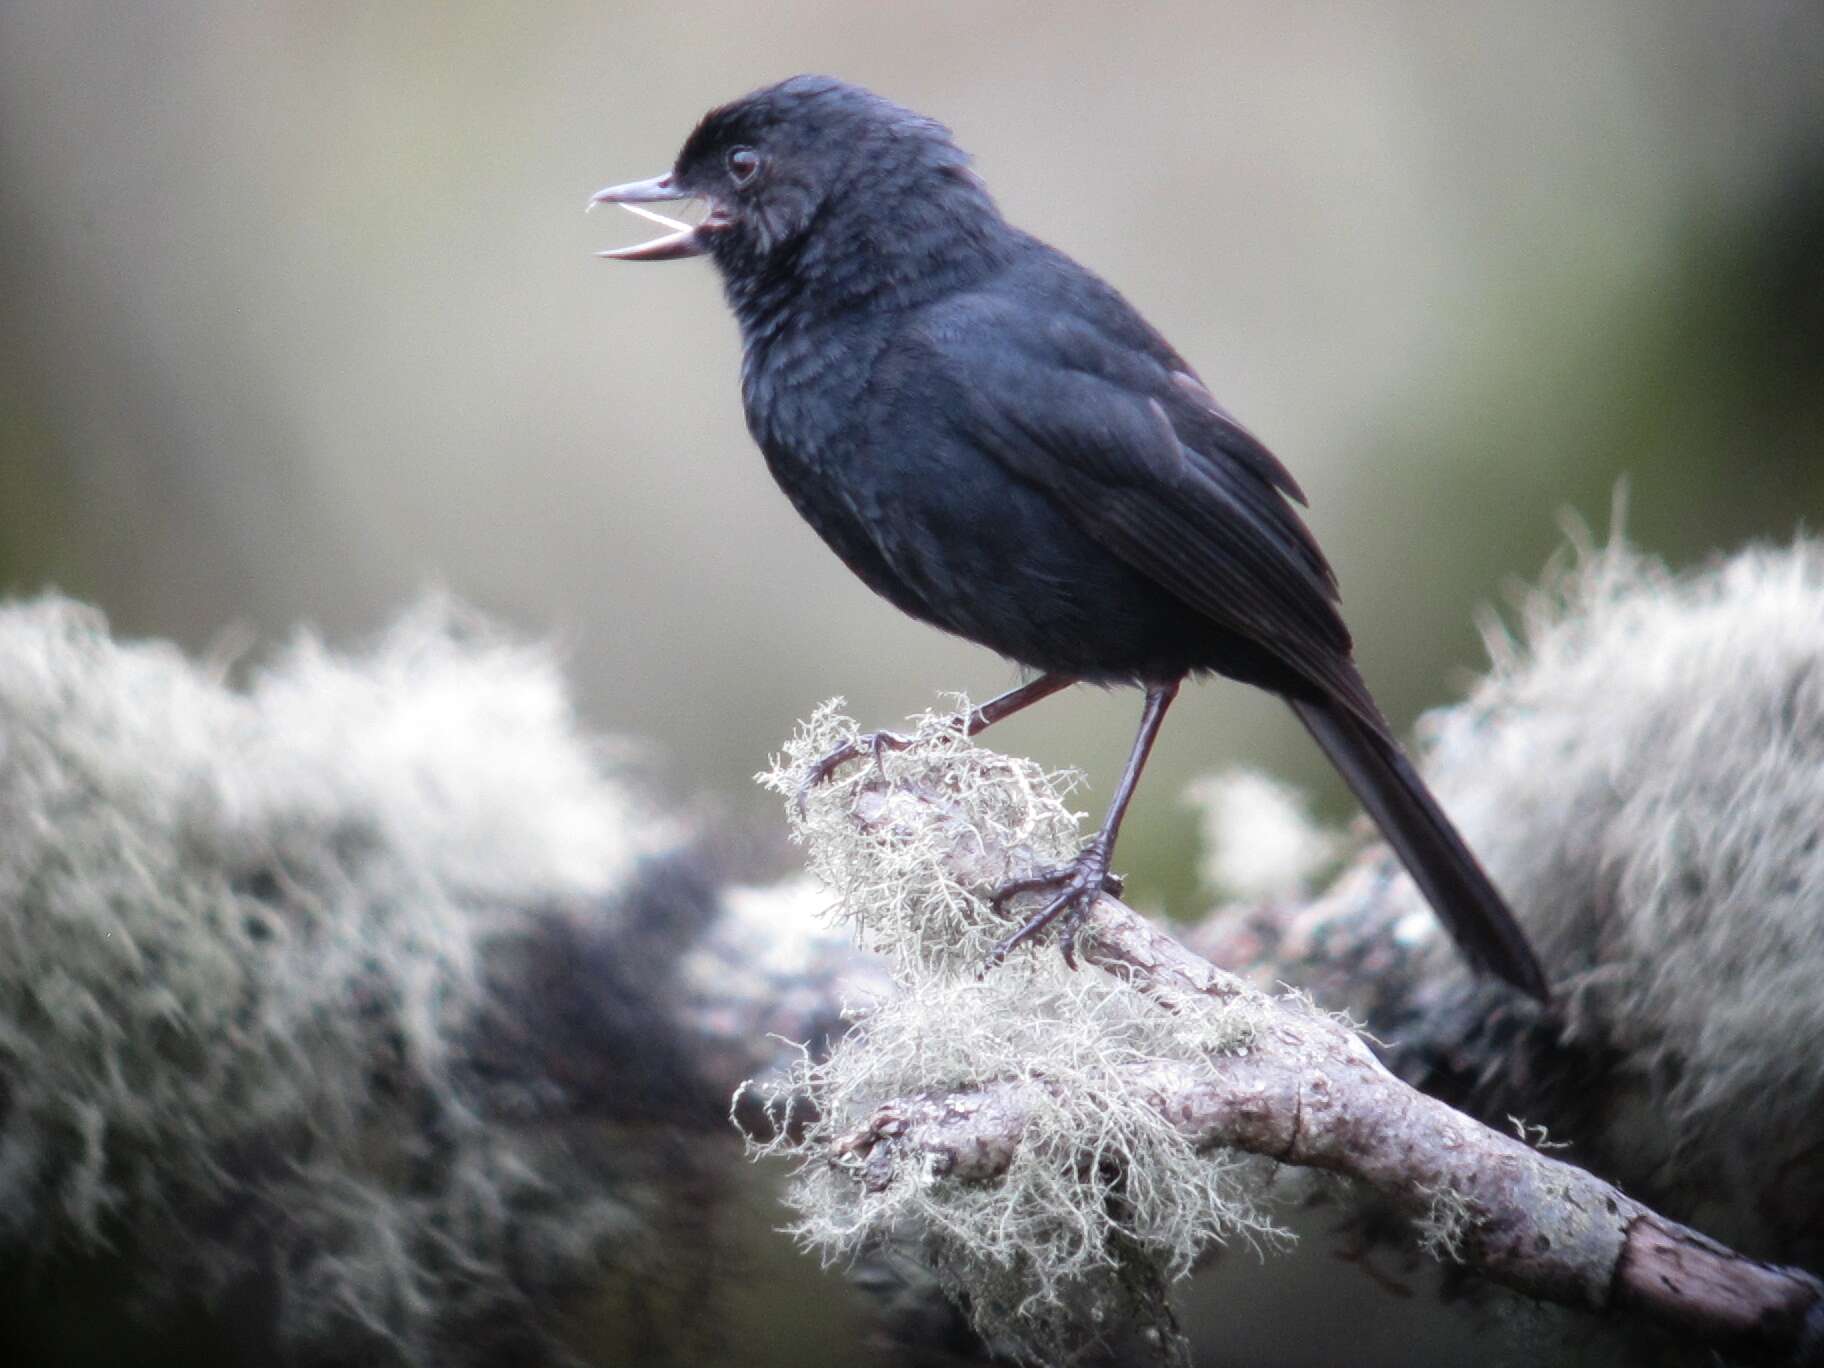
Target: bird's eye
{"points": [[743, 164]]}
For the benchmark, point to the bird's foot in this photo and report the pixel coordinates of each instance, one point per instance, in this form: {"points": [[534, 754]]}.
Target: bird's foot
{"points": [[1074, 887], [868, 743]]}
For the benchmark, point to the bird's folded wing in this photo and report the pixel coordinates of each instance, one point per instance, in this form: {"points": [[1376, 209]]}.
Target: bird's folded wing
{"points": [[1203, 522]]}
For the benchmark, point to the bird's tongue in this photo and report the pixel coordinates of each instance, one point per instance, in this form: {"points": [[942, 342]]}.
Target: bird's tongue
{"points": [[679, 242], [676, 225], [682, 240]]}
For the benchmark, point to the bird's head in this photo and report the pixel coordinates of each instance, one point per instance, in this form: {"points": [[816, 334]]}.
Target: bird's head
{"points": [[811, 163]]}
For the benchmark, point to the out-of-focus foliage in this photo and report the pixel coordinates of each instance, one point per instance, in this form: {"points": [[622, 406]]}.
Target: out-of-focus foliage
{"points": [[297, 313], [1643, 771], [310, 1019]]}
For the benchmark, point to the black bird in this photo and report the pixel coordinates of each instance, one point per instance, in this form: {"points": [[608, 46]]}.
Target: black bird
{"points": [[997, 442]]}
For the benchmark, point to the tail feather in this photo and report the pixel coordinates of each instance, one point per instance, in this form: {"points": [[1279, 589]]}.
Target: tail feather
{"points": [[1450, 877]]}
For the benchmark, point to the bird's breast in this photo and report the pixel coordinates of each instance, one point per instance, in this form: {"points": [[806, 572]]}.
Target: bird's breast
{"points": [[804, 398], [801, 388]]}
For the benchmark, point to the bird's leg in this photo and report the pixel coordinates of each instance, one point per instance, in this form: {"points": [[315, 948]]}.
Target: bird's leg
{"points": [[1077, 885], [980, 719]]}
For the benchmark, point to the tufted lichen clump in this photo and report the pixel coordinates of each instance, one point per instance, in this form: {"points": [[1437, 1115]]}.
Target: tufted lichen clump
{"points": [[1104, 1202], [1643, 767], [252, 982]]}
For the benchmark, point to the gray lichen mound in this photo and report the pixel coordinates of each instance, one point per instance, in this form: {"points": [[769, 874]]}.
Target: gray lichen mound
{"points": [[244, 937], [1643, 771]]}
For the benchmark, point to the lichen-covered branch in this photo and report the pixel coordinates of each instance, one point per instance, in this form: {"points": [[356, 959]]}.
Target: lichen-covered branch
{"points": [[1308, 1092], [1641, 772], [1302, 1088]]}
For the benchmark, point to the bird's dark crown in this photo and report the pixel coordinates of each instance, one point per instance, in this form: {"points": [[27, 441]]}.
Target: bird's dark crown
{"points": [[815, 183]]}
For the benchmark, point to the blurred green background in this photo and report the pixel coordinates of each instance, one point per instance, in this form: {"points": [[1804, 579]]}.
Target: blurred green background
{"points": [[299, 317]]}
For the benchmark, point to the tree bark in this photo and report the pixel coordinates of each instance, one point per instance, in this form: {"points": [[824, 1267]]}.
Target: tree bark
{"points": [[1308, 1091]]}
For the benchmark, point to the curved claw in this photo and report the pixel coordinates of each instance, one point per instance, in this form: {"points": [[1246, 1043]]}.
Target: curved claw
{"points": [[868, 743], [1074, 917]]}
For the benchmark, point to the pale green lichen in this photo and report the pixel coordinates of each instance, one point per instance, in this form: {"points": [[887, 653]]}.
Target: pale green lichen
{"points": [[1448, 1219], [899, 871], [1101, 1182]]}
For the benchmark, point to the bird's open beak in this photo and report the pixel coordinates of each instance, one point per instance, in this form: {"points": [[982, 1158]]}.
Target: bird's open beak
{"points": [[685, 239]]}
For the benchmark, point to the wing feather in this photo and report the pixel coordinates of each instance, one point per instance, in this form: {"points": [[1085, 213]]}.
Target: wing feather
{"points": [[1209, 523]]}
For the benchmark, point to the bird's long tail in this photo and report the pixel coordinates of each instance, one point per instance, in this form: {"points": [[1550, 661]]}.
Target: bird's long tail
{"points": [[1450, 877]]}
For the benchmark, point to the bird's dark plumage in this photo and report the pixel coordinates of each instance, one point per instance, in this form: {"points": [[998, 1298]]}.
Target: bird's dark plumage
{"points": [[994, 439]]}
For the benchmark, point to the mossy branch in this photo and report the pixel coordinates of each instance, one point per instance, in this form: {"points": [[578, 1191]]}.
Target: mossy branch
{"points": [[1309, 1092], [1290, 1084]]}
